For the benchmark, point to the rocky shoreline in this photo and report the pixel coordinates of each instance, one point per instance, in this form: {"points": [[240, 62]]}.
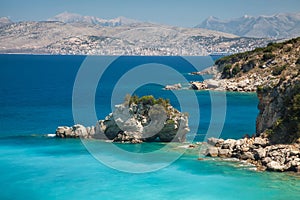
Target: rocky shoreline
{"points": [[257, 151], [242, 84], [237, 84]]}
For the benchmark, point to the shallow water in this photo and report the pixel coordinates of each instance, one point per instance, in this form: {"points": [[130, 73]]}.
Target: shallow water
{"points": [[36, 97], [49, 168]]}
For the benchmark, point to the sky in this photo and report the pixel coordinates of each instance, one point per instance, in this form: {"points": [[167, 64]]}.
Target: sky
{"points": [[185, 13]]}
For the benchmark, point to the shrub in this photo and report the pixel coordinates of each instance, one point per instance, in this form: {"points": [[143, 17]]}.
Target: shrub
{"points": [[163, 102], [278, 69], [298, 62], [264, 88], [257, 50], [248, 66], [146, 100], [269, 49], [170, 121], [260, 88], [268, 56], [236, 69], [288, 49], [133, 99], [226, 73]]}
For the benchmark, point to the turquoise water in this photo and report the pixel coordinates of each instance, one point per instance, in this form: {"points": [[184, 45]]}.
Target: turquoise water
{"points": [[36, 97], [43, 168]]}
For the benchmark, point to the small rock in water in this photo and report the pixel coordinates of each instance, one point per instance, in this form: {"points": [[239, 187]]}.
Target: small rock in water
{"points": [[173, 87]]}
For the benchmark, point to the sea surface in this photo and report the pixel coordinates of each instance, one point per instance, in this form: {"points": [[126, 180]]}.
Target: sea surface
{"points": [[36, 96]]}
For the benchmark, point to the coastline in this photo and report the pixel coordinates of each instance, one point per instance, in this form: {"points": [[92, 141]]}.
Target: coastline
{"points": [[256, 152]]}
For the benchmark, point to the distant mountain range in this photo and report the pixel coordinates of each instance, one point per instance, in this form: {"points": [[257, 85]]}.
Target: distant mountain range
{"points": [[69, 33], [54, 37], [4, 21], [275, 26], [279, 26], [67, 17]]}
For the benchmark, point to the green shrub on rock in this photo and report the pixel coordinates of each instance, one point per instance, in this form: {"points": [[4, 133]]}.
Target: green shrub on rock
{"points": [[268, 56], [226, 73], [277, 70], [298, 61], [236, 69]]}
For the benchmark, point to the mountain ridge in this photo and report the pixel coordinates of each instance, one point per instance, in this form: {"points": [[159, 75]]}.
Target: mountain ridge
{"points": [[54, 37], [5, 21], [68, 17], [281, 25]]}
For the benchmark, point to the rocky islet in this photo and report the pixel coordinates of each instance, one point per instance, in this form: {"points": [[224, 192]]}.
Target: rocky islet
{"points": [[137, 120]]}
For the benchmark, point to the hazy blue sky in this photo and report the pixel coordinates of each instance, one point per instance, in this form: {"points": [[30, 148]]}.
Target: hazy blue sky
{"points": [[173, 12]]}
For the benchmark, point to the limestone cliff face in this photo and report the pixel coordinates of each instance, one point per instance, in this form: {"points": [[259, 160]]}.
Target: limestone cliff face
{"points": [[279, 107], [274, 72]]}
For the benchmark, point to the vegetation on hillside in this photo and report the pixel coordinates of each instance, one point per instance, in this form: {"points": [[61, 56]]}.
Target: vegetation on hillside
{"points": [[263, 59], [277, 67]]}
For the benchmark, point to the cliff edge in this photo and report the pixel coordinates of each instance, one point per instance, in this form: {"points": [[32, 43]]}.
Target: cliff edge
{"points": [[274, 73]]}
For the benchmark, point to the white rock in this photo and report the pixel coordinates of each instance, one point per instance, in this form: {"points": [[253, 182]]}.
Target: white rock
{"points": [[212, 84]]}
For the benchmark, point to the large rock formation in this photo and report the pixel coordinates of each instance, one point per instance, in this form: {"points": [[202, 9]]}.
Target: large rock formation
{"points": [[277, 69], [257, 151], [279, 107], [274, 72], [136, 120]]}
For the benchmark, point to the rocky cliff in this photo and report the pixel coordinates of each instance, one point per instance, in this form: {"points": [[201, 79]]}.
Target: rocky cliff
{"points": [[281, 25], [279, 107], [137, 120], [274, 72]]}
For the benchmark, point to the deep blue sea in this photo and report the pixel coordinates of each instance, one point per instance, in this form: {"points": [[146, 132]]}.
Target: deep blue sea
{"points": [[37, 94]]}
